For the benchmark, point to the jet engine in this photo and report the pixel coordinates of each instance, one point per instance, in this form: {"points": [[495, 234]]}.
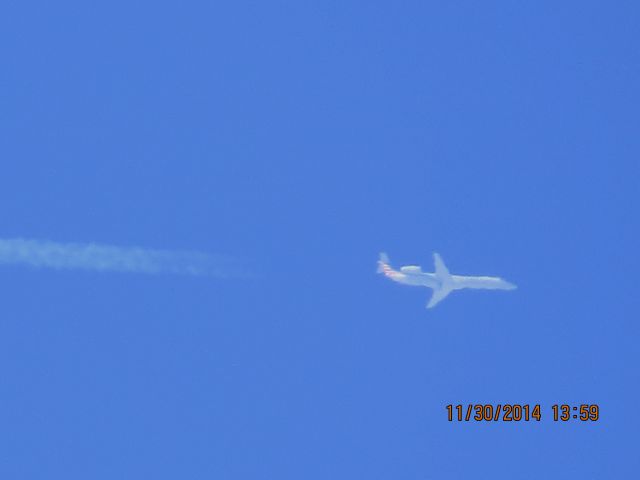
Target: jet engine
{"points": [[410, 269]]}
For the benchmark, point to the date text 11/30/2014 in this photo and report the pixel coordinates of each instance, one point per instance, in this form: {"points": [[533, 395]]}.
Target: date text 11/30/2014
{"points": [[513, 412]]}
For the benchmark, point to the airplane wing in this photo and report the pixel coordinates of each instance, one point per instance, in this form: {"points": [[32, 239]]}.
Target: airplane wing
{"points": [[441, 269], [443, 277], [439, 294]]}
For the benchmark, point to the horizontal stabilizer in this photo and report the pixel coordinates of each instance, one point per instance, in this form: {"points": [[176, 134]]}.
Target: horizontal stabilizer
{"points": [[383, 259]]}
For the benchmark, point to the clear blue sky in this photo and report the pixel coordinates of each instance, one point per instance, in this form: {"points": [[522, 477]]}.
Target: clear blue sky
{"points": [[303, 138]]}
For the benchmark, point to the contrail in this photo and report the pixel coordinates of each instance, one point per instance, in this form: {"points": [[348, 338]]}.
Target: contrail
{"points": [[108, 258]]}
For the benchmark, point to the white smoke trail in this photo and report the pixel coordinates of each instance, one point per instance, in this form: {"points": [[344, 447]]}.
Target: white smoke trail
{"points": [[106, 258]]}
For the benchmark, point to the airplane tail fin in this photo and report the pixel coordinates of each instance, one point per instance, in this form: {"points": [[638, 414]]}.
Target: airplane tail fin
{"points": [[383, 260], [445, 284]]}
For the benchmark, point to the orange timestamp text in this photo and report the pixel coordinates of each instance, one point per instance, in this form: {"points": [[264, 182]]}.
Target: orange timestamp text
{"points": [[514, 412]]}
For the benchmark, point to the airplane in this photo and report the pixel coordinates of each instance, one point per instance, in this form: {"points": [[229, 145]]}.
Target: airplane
{"points": [[441, 281]]}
